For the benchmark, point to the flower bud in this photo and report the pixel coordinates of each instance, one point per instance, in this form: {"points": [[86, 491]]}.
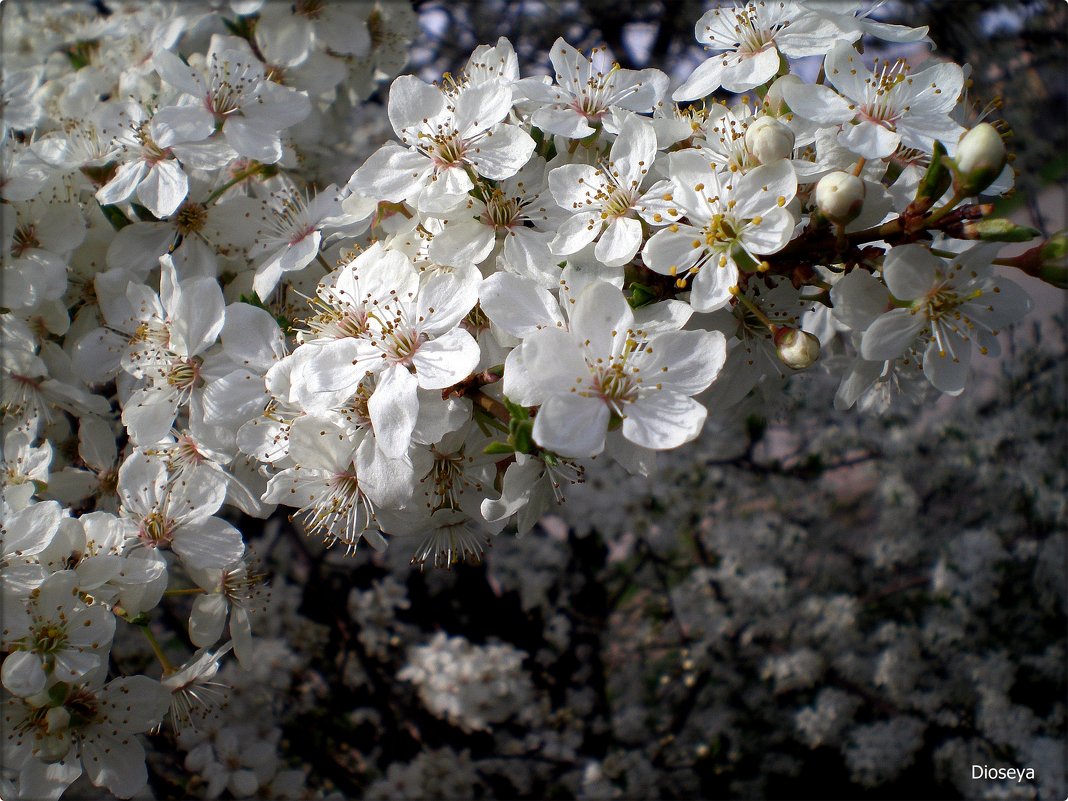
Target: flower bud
{"points": [[980, 158], [769, 140], [797, 349], [840, 196]]}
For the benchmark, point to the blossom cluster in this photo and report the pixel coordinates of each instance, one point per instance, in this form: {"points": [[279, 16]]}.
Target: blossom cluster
{"points": [[542, 274]]}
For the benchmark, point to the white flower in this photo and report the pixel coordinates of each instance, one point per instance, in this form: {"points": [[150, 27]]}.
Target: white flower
{"points": [[730, 218], [501, 213], [945, 307], [193, 691], [233, 88], [441, 137], [23, 465], [400, 324], [46, 736], [606, 367], [177, 516], [54, 635], [588, 89], [166, 350], [880, 112], [336, 481], [605, 201], [153, 173], [294, 236], [750, 39]]}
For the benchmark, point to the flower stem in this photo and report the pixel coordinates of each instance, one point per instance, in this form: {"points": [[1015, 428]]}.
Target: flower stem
{"points": [[241, 175], [157, 649]]}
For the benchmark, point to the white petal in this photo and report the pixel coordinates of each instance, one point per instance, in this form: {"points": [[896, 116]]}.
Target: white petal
{"points": [[668, 252], [817, 103], [889, 336], [576, 232], [163, 188], [198, 317], [859, 298], [502, 152], [600, 319], [619, 242], [180, 124], [251, 336], [693, 360], [751, 71], [663, 420], [948, 370], [123, 183], [253, 139], [394, 408], [22, 674], [518, 305], [702, 81], [411, 101], [114, 763], [572, 425], [910, 271], [447, 360], [207, 619], [869, 139], [208, 543]]}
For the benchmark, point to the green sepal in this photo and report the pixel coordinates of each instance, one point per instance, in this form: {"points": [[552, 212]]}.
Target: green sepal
{"points": [[745, 262], [935, 181], [641, 295], [498, 449]]}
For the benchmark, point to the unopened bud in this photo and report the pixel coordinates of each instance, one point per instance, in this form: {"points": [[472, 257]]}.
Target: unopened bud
{"points": [[773, 100], [840, 196], [797, 349], [980, 159], [997, 230], [769, 140]]}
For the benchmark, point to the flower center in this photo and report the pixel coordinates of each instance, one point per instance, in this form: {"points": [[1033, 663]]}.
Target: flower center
{"points": [[151, 151], [156, 530], [501, 211], [447, 480], [191, 218], [343, 514], [614, 385], [881, 101], [25, 238], [49, 637], [184, 374], [447, 150]]}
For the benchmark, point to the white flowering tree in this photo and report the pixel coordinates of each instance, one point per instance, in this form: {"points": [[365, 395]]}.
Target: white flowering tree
{"points": [[225, 302]]}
